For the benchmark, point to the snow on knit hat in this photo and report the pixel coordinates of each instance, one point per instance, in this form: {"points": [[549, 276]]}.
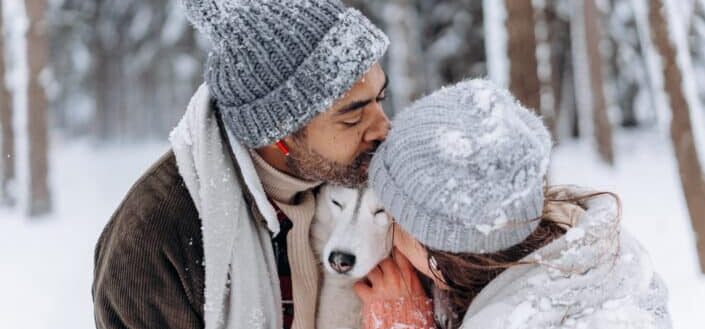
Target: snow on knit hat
{"points": [[276, 64], [462, 169]]}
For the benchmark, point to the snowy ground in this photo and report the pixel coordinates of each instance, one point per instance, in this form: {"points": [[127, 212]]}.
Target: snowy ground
{"points": [[46, 264]]}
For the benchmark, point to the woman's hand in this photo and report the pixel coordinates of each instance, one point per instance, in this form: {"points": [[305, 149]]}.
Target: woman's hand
{"points": [[392, 279], [393, 296]]}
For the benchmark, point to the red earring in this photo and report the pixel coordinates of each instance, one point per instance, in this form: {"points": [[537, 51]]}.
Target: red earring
{"points": [[282, 147]]}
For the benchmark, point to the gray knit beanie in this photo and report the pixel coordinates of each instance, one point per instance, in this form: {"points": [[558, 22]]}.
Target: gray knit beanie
{"points": [[276, 64], [462, 170]]}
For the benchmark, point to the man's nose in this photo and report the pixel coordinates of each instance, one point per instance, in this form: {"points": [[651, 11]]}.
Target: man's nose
{"points": [[380, 125]]}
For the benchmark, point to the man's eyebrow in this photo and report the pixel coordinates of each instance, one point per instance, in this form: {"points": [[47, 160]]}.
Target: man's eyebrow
{"points": [[354, 106]]}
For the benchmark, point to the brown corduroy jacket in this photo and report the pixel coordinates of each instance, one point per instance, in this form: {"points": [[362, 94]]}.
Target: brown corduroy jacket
{"points": [[149, 259], [149, 267]]}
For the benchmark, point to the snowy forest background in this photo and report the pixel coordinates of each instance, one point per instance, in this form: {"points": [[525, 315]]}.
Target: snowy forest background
{"points": [[92, 88]]}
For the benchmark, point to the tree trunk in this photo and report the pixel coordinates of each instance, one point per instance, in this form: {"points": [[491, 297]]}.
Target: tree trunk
{"points": [[39, 201], [569, 119], [689, 167], [603, 128], [7, 140], [524, 80]]}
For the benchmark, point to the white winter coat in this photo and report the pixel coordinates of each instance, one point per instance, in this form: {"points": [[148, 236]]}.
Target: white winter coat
{"points": [[595, 276]]}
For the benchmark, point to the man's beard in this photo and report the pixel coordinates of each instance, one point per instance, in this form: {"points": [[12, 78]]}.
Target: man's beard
{"points": [[309, 165]]}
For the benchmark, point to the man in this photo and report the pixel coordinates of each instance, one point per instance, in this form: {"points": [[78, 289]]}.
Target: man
{"points": [[215, 234]]}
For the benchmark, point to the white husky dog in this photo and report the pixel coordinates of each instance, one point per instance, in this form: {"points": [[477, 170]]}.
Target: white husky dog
{"points": [[350, 235]]}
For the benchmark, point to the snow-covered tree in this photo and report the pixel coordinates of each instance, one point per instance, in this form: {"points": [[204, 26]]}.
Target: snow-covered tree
{"points": [[682, 132], [564, 120], [696, 40], [435, 43], [70, 88], [453, 41], [39, 200], [404, 64], [627, 69], [544, 65], [520, 53], [589, 76], [7, 141], [123, 69]]}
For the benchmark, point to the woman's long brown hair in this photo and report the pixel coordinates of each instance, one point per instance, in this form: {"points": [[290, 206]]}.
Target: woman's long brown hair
{"points": [[466, 274]]}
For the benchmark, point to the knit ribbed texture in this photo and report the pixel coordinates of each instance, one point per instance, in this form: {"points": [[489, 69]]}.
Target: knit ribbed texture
{"points": [[276, 64], [404, 312], [295, 198], [305, 276], [462, 169]]}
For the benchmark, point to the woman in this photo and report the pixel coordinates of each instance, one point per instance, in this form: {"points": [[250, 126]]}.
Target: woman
{"points": [[462, 173]]}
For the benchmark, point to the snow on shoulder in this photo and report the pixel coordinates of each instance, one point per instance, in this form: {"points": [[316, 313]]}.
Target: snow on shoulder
{"points": [[595, 276]]}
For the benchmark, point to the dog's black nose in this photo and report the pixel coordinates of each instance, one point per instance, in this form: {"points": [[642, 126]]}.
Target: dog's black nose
{"points": [[341, 262]]}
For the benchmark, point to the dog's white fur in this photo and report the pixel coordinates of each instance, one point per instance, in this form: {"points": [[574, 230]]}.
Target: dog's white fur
{"points": [[351, 221]]}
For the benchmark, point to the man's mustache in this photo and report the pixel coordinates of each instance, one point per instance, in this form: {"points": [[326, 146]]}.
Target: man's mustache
{"points": [[366, 157], [371, 152]]}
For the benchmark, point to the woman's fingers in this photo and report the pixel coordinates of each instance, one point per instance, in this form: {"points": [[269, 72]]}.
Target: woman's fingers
{"points": [[391, 272], [375, 276], [394, 277], [363, 290]]}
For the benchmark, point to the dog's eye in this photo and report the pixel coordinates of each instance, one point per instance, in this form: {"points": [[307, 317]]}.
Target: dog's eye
{"points": [[383, 220], [337, 204]]}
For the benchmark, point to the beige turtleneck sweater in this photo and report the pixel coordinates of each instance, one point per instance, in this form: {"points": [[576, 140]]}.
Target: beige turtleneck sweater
{"points": [[296, 199]]}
